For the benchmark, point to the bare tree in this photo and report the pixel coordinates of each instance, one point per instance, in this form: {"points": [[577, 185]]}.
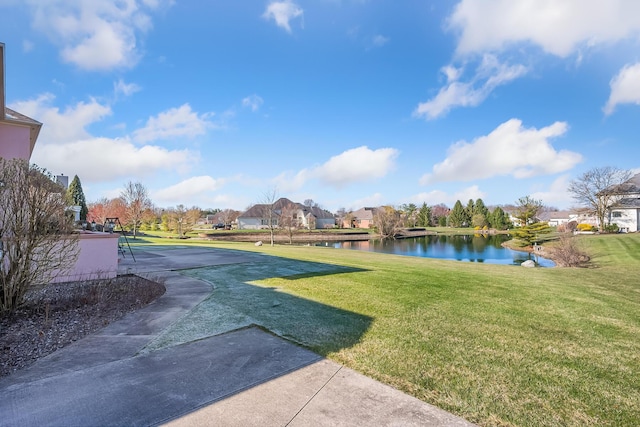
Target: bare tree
{"points": [[597, 189], [228, 216], [136, 199], [288, 220], [349, 218], [183, 220], [270, 216], [387, 221], [36, 239]]}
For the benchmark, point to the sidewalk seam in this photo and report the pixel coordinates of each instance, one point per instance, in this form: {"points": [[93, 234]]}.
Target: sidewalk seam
{"points": [[314, 396]]}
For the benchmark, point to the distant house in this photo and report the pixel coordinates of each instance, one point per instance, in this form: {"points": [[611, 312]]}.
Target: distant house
{"points": [[362, 218], [310, 217], [558, 218], [625, 213]]}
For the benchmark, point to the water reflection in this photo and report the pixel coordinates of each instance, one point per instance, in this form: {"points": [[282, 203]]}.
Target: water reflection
{"points": [[470, 248]]}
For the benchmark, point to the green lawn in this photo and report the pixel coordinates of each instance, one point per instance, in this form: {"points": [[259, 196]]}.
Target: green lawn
{"points": [[497, 345]]}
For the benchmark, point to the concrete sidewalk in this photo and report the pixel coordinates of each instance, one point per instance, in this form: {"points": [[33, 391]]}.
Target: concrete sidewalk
{"points": [[246, 377]]}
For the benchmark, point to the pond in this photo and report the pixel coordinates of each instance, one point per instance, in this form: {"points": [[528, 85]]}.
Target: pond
{"points": [[470, 248]]}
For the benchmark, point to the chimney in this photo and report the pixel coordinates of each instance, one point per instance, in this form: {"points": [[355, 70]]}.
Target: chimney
{"points": [[63, 180]]}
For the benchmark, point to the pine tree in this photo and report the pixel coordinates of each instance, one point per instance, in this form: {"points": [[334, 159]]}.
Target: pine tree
{"points": [[469, 211], [458, 216], [480, 216], [75, 196], [424, 216], [532, 233], [499, 220]]}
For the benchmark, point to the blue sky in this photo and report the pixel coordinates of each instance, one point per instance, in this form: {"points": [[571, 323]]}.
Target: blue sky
{"points": [[350, 103]]}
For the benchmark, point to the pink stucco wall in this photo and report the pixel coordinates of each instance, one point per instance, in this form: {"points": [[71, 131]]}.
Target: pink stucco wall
{"points": [[97, 258], [14, 141]]}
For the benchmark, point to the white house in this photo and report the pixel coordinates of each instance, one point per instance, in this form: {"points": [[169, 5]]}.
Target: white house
{"points": [[557, 218], [625, 213]]}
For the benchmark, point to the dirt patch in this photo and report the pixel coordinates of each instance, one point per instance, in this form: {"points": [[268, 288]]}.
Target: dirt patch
{"points": [[59, 314]]}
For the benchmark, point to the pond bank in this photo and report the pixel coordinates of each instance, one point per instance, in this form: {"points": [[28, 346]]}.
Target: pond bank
{"points": [[316, 236]]}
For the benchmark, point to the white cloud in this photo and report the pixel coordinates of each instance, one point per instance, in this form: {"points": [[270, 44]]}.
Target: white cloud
{"points": [[102, 159], [489, 75], [95, 35], [438, 196], [625, 88], [289, 181], [282, 12], [174, 123], [360, 164], [356, 165], [557, 193], [127, 89], [510, 149], [379, 40], [373, 200], [558, 27], [252, 101], [66, 125], [191, 188], [65, 145]]}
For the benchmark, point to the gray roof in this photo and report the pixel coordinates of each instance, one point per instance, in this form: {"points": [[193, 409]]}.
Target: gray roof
{"points": [[261, 210], [364, 213], [631, 186], [628, 203]]}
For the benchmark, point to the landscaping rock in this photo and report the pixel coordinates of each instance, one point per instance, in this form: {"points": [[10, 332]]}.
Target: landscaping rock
{"points": [[528, 264], [259, 243]]}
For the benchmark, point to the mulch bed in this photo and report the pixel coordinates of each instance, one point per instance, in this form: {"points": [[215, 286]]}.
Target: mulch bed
{"points": [[59, 314]]}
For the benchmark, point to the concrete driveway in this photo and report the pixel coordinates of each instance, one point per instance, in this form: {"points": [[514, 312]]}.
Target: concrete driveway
{"points": [[244, 377]]}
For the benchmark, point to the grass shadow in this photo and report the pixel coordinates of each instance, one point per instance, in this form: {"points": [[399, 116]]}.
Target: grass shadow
{"points": [[243, 295]]}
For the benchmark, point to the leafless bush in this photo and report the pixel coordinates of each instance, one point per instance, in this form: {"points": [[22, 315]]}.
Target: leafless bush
{"points": [[36, 239], [567, 253]]}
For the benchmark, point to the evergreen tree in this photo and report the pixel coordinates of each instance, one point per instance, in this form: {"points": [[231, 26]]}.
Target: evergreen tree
{"points": [[527, 209], [531, 233], [458, 216], [470, 210], [75, 196], [480, 216], [424, 216], [480, 209], [499, 219]]}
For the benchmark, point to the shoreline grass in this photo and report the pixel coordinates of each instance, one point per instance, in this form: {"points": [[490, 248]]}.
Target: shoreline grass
{"points": [[497, 345]]}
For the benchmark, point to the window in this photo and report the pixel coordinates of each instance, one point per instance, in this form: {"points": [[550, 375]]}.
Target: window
{"points": [[617, 214]]}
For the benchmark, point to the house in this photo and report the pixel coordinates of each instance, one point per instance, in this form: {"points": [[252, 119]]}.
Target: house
{"points": [[310, 217], [557, 218], [98, 252], [362, 218], [625, 213]]}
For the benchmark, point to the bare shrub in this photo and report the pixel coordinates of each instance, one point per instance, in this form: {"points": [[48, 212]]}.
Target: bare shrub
{"points": [[566, 253], [36, 239]]}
